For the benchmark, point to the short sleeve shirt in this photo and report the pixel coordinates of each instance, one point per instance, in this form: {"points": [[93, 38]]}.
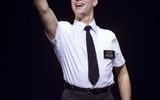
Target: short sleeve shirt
{"points": [[70, 48]]}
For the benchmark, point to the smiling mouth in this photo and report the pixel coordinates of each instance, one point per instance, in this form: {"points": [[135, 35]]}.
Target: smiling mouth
{"points": [[79, 5]]}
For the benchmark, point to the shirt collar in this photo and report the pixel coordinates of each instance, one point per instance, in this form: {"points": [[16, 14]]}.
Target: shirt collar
{"points": [[80, 26]]}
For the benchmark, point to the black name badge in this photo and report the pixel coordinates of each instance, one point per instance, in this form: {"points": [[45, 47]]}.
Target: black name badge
{"points": [[109, 54]]}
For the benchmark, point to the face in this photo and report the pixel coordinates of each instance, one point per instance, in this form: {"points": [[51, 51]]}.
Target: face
{"points": [[83, 8]]}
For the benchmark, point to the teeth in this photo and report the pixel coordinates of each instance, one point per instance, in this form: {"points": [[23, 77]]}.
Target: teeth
{"points": [[78, 5]]}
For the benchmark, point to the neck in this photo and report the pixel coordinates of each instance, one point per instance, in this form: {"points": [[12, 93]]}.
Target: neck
{"points": [[85, 19]]}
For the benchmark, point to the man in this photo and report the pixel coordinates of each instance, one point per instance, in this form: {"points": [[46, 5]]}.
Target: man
{"points": [[82, 45]]}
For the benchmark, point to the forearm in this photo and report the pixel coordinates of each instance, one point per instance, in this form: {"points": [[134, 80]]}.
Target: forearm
{"points": [[124, 86], [47, 16]]}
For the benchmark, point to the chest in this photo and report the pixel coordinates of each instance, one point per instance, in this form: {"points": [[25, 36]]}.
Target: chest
{"points": [[76, 42]]}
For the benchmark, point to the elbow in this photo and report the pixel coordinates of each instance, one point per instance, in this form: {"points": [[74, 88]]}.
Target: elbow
{"points": [[43, 10]]}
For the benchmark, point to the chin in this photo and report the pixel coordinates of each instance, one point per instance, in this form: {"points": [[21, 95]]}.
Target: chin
{"points": [[79, 11], [79, 15]]}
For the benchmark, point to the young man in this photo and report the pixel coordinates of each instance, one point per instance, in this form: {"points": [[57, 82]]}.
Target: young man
{"points": [[82, 45]]}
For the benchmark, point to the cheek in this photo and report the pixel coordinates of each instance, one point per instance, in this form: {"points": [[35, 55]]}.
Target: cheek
{"points": [[72, 6], [88, 8]]}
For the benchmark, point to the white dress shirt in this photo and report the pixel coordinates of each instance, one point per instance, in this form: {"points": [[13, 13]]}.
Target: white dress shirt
{"points": [[70, 48]]}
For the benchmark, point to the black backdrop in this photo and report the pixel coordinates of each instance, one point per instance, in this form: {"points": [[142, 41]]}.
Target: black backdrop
{"points": [[33, 72]]}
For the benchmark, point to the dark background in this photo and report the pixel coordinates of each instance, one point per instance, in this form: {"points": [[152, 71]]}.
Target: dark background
{"points": [[31, 71]]}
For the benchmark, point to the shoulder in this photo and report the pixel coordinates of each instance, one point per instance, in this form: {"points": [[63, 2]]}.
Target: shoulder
{"points": [[106, 33], [64, 24]]}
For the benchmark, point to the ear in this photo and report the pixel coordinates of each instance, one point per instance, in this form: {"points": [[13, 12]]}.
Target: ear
{"points": [[95, 2]]}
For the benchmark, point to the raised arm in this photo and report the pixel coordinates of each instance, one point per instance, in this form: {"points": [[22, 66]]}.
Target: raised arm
{"points": [[48, 18], [123, 82]]}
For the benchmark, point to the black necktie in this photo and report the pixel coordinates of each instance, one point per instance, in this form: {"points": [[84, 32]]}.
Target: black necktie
{"points": [[92, 59]]}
